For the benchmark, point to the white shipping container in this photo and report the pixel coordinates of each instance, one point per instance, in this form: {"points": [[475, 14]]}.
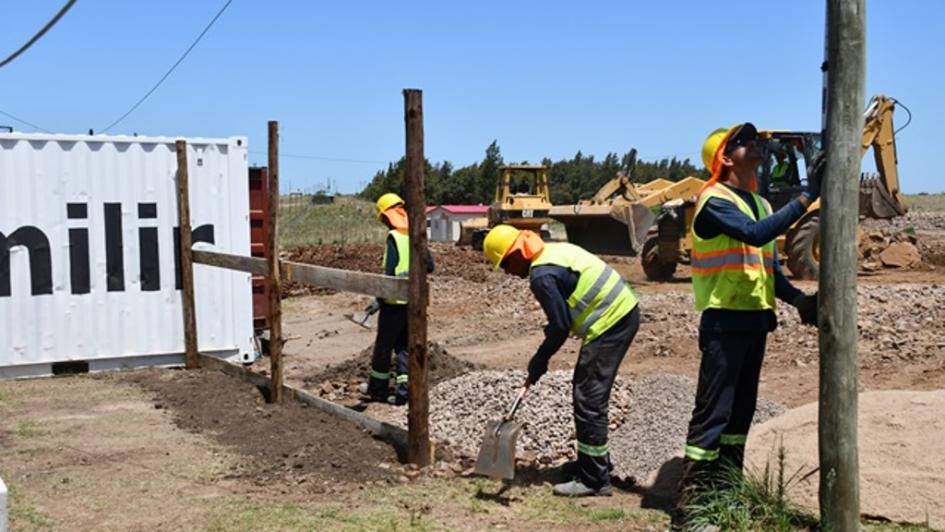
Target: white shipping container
{"points": [[88, 273]]}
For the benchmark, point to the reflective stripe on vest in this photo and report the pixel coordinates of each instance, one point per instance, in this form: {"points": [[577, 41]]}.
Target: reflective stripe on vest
{"points": [[601, 297], [402, 268], [728, 273]]}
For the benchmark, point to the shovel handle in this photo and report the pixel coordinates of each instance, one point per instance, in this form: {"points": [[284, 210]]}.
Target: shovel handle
{"points": [[515, 405]]}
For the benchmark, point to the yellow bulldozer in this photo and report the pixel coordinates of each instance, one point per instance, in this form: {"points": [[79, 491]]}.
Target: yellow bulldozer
{"points": [[522, 199], [780, 179]]}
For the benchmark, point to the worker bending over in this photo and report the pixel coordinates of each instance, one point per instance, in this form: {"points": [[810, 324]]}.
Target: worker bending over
{"points": [[582, 295], [392, 319]]}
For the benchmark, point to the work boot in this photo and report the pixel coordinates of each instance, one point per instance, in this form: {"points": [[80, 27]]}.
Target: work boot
{"points": [[576, 488], [378, 395], [397, 399], [572, 469]]}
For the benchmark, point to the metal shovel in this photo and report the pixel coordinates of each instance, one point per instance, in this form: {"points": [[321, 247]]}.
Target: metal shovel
{"points": [[361, 319], [497, 453]]}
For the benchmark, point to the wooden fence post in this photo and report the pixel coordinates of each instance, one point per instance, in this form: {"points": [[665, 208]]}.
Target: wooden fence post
{"points": [[186, 259], [274, 276], [418, 433], [839, 365]]}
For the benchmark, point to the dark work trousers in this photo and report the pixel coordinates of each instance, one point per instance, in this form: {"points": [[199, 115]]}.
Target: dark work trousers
{"points": [[391, 337], [725, 396], [594, 377]]}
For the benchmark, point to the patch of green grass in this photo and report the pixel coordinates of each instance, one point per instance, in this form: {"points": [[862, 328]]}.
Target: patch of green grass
{"points": [[544, 507], [24, 515], [925, 202], [347, 220], [757, 501], [29, 428]]}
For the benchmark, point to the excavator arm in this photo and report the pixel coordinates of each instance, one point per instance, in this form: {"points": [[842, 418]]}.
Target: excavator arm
{"points": [[880, 198]]}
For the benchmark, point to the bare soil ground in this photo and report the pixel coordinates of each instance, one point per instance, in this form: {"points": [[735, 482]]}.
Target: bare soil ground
{"points": [[168, 449]]}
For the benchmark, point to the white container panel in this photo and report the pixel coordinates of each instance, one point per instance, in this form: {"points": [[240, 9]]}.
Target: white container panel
{"points": [[89, 224]]}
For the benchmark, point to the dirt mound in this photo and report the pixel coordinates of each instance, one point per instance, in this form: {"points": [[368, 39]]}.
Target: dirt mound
{"points": [[286, 444], [902, 470], [449, 259], [340, 382]]}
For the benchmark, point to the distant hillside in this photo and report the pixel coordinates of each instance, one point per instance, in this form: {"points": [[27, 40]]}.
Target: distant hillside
{"points": [[348, 219]]}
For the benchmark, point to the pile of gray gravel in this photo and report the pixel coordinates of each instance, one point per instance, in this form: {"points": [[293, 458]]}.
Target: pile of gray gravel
{"points": [[657, 422], [649, 417], [460, 408]]}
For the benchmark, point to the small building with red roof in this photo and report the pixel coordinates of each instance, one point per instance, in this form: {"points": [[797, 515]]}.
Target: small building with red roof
{"points": [[443, 221]]}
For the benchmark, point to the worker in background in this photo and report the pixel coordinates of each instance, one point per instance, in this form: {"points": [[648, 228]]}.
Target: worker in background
{"points": [[581, 295], [735, 278], [392, 318]]}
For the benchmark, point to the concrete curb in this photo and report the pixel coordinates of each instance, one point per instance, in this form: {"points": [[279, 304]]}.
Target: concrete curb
{"points": [[392, 434], [4, 523]]}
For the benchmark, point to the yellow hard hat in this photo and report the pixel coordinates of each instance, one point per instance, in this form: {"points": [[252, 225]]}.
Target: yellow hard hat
{"points": [[711, 145], [387, 201], [498, 242]]}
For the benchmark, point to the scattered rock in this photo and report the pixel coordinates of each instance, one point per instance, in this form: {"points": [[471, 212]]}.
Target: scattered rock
{"points": [[900, 255]]}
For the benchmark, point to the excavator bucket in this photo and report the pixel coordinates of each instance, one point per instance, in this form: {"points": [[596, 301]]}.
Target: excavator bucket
{"points": [[877, 202]]}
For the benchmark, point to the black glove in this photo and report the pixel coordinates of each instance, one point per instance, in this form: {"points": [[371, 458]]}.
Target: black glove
{"points": [[537, 367], [373, 307], [807, 309], [815, 174]]}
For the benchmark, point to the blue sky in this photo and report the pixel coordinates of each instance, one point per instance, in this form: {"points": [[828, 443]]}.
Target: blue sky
{"points": [[544, 78]]}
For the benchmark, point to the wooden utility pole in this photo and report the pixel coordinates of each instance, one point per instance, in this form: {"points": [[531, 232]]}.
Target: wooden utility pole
{"points": [[418, 432], [186, 259], [839, 365], [274, 277]]}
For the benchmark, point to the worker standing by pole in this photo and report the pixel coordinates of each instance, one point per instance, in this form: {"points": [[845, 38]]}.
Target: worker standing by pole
{"points": [[735, 278], [392, 320], [582, 295]]}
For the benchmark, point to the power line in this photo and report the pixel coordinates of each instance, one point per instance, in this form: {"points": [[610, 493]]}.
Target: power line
{"points": [[20, 120], [168, 73], [52, 22], [319, 158]]}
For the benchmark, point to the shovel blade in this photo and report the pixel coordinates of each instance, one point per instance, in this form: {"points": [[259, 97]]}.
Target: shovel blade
{"points": [[497, 453]]}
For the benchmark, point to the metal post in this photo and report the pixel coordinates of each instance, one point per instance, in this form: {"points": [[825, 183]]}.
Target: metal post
{"points": [[839, 469], [418, 433], [186, 259], [274, 277]]}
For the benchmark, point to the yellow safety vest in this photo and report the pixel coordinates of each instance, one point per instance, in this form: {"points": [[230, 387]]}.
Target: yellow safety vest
{"points": [[601, 297], [727, 273], [402, 269]]}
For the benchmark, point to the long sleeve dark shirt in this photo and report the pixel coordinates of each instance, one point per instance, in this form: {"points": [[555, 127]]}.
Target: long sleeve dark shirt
{"points": [[552, 285], [718, 217]]}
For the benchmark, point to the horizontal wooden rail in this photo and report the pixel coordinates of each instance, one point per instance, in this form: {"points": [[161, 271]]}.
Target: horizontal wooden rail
{"points": [[371, 284]]}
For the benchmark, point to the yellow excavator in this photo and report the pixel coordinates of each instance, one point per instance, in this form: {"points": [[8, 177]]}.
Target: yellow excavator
{"points": [[780, 179], [522, 199]]}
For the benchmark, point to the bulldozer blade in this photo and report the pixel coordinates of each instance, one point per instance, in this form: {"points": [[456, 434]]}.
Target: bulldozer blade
{"points": [[639, 221], [360, 318], [497, 453]]}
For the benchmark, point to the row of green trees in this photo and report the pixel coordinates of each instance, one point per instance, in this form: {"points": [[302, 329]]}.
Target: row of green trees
{"points": [[570, 179]]}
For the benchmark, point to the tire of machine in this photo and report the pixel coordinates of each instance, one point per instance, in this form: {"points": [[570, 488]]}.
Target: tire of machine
{"points": [[802, 248], [655, 269], [478, 238]]}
